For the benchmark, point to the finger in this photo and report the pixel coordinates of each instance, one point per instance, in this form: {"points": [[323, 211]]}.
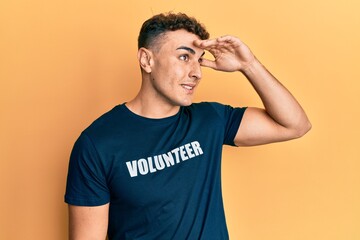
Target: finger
{"points": [[204, 44], [209, 43], [225, 38], [215, 42], [208, 63]]}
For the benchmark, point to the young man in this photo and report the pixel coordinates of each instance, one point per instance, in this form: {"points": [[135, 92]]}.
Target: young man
{"points": [[150, 168]]}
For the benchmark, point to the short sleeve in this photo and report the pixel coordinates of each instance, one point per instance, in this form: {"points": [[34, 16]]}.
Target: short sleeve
{"points": [[232, 117], [86, 181]]}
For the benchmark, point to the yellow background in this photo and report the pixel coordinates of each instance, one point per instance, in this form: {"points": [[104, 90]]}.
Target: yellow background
{"points": [[63, 63]]}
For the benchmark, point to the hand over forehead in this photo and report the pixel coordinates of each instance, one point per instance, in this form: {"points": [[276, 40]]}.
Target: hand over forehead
{"points": [[226, 41], [230, 53]]}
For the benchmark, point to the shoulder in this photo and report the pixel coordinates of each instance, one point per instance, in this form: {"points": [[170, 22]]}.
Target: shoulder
{"points": [[206, 106], [109, 117], [107, 123], [216, 108]]}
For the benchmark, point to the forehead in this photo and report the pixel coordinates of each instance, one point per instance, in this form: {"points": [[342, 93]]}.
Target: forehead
{"points": [[174, 39]]}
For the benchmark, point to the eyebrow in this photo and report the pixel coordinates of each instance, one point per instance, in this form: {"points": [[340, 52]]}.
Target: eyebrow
{"points": [[190, 50]]}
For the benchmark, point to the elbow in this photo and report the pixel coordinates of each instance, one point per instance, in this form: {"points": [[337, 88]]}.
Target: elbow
{"points": [[303, 129]]}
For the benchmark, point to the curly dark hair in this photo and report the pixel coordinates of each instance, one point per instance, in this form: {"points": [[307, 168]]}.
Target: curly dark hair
{"points": [[156, 26]]}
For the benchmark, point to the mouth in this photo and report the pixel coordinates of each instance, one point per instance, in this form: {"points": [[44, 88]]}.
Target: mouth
{"points": [[188, 87]]}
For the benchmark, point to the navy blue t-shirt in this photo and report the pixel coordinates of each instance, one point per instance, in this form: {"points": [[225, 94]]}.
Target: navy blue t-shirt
{"points": [[162, 177]]}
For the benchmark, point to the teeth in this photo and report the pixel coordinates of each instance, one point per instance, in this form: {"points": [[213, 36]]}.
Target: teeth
{"points": [[187, 87]]}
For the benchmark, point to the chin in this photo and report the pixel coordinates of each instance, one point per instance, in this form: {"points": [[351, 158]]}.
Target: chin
{"points": [[186, 103], [183, 102]]}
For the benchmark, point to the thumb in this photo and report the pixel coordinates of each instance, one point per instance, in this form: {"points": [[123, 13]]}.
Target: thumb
{"points": [[208, 63]]}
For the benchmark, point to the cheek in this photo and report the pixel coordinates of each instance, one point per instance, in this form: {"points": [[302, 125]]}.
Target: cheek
{"points": [[174, 73], [179, 71], [170, 72]]}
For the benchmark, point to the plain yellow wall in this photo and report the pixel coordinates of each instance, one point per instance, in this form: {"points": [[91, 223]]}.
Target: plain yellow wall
{"points": [[63, 63]]}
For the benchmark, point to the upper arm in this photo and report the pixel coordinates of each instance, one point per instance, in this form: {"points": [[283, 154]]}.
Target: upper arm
{"points": [[257, 128], [88, 222]]}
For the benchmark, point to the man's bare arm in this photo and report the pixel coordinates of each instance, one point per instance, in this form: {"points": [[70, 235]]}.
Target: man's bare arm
{"points": [[282, 117], [88, 223]]}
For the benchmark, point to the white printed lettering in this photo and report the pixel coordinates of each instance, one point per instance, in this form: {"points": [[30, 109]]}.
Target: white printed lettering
{"points": [[151, 167], [168, 158], [132, 167], [196, 147], [182, 154], [176, 152], [143, 167], [189, 150], [159, 162]]}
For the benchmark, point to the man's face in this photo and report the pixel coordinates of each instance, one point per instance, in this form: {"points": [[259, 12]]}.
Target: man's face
{"points": [[176, 70]]}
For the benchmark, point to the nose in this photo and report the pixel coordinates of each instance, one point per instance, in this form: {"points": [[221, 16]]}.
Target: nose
{"points": [[195, 72]]}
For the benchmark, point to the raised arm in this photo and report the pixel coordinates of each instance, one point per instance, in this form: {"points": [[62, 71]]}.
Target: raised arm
{"points": [[88, 223], [282, 117]]}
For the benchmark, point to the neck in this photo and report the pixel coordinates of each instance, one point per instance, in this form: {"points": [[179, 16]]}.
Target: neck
{"points": [[151, 108]]}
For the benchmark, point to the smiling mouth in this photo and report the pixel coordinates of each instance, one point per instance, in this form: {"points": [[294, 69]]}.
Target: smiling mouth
{"points": [[187, 87]]}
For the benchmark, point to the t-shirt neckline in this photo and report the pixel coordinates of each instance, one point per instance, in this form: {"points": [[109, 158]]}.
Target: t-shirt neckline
{"points": [[146, 119]]}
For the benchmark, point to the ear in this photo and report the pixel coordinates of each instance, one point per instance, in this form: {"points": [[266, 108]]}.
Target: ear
{"points": [[145, 59]]}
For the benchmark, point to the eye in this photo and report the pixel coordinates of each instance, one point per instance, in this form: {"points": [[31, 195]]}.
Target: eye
{"points": [[184, 57], [200, 60]]}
